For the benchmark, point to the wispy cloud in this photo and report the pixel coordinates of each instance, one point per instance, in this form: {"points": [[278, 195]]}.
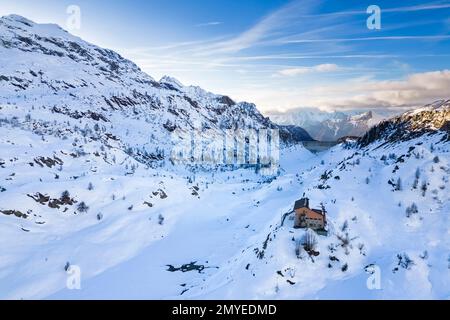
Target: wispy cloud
{"points": [[418, 37], [280, 28], [320, 68], [422, 7], [264, 29], [209, 24]]}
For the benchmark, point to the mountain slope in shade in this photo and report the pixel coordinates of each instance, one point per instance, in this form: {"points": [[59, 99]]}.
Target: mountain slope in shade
{"points": [[331, 126]]}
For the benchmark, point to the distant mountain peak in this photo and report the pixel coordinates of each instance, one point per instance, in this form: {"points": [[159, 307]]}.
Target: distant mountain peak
{"points": [[366, 116], [18, 18], [330, 125], [21, 25], [171, 81]]}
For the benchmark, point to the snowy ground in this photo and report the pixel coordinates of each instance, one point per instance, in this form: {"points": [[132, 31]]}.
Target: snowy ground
{"points": [[123, 246]]}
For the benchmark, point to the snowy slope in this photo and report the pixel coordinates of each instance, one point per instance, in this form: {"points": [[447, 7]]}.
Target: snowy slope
{"points": [[370, 225], [388, 206], [141, 221], [133, 212]]}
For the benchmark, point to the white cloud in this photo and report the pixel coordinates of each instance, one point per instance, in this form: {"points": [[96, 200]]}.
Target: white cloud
{"points": [[321, 68], [293, 71], [414, 90], [327, 67]]}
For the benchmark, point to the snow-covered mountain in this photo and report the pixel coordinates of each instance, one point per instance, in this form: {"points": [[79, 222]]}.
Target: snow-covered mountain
{"points": [[83, 215], [429, 119], [331, 126], [53, 71]]}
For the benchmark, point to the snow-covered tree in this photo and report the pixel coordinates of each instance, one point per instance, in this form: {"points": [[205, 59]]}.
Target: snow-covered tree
{"points": [[82, 207], [309, 240], [398, 185], [412, 209], [424, 188]]}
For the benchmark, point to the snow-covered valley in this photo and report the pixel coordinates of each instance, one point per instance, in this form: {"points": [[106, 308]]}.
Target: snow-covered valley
{"points": [[87, 188], [139, 224]]}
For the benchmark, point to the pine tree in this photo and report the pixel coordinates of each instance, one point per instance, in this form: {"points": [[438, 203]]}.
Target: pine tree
{"points": [[424, 188]]}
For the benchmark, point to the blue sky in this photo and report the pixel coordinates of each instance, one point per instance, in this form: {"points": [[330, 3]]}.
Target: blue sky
{"points": [[280, 54]]}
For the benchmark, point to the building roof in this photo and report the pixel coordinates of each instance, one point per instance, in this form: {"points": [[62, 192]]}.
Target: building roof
{"points": [[318, 211], [302, 203]]}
